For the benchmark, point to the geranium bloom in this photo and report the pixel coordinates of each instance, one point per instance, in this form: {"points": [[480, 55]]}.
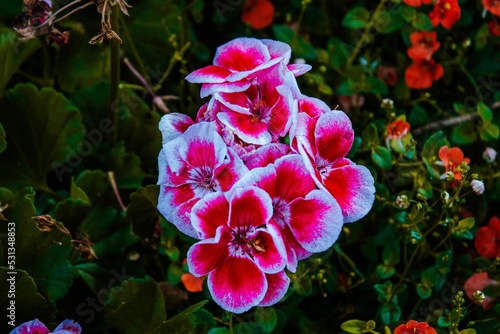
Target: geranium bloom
{"points": [[398, 129], [493, 6], [487, 240], [414, 327], [451, 158], [262, 111], [259, 14], [37, 327], [421, 75], [323, 143], [191, 166], [494, 27], [417, 3], [309, 219], [241, 253], [445, 12], [478, 282], [424, 44]]}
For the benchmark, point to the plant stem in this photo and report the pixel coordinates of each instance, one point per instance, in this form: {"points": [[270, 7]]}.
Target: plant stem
{"points": [[445, 122], [131, 45], [114, 77], [366, 32]]}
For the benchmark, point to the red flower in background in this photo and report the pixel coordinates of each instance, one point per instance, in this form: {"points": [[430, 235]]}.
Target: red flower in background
{"points": [[487, 240], [192, 283], [494, 27], [445, 12], [388, 75], [424, 44], [417, 3], [397, 129], [259, 14], [478, 282], [421, 75], [414, 327], [451, 158], [493, 6]]}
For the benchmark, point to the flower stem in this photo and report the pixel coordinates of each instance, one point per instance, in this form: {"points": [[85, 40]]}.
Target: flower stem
{"points": [[366, 32], [114, 77], [445, 122]]}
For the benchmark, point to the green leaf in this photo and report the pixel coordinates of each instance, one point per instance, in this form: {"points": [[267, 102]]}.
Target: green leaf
{"points": [[136, 306], [370, 136], [385, 271], [381, 156], [377, 86], [29, 303], [96, 185], [71, 212], [357, 17], [484, 112], [423, 291], [387, 22], [408, 13], [267, 318], [464, 133], [489, 131], [142, 212], [127, 167], [44, 255], [13, 53], [353, 326], [300, 47], [44, 131], [422, 22], [303, 286], [418, 116], [390, 254], [465, 225], [183, 322], [77, 193], [218, 330], [3, 142], [467, 331], [430, 152], [338, 52]]}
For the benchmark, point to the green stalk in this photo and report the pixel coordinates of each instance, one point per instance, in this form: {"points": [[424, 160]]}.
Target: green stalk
{"points": [[114, 77]]}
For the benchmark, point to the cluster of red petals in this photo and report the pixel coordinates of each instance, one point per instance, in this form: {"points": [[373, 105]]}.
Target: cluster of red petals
{"points": [[398, 129], [478, 282], [414, 327], [259, 14], [424, 44], [445, 12], [494, 27], [417, 3], [388, 75], [487, 240], [493, 6], [451, 158], [421, 74]]}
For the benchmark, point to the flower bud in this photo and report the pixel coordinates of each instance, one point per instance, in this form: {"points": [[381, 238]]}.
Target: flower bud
{"points": [[402, 202], [478, 296], [477, 186], [450, 176], [387, 104], [489, 155]]}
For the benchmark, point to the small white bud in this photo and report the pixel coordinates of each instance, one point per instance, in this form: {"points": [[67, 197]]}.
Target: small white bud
{"points": [[402, 202], [489, 155], [477, 186], [478, 296]]}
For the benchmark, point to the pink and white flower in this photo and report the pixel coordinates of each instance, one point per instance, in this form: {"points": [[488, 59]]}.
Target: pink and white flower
{"points": [[192, 165], [37, 327], [310, 220], [239, 249], [323, 143]]}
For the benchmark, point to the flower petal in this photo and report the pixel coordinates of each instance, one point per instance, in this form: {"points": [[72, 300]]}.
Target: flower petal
{"points": [[334, 136], [228, 175], [225, 87], [30, 327], [175, 204], [226, 282], [267, 255], [299, 69], [209, 254], [245, 127], [173, 125], [208, 74], [241, 55], [353, 187], [250, 207], [292, 178], [210, 213], [277, 286], [70, 326]]}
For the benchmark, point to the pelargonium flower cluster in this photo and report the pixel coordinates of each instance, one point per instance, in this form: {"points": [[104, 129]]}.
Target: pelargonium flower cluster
{"points": [[260, 177], [37, 327]]}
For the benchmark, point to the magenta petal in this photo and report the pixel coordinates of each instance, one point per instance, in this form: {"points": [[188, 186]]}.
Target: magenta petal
{"points": [[175, 204], [277, 286], [281, 113], [32, 327], [231, 173], [209, 254], [263, 178], [210, 213], [245, 127], [250, 207], [334, 136], [70, 326], [312, 106], [267, 255], [238, 102], [227, 281], [292, 178], [225, 87], [241, 54], [303, 135], [316, 221], [208, 74], [353, 188], [266, 155], [278, 50], [173, 125], [299, 69]]}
